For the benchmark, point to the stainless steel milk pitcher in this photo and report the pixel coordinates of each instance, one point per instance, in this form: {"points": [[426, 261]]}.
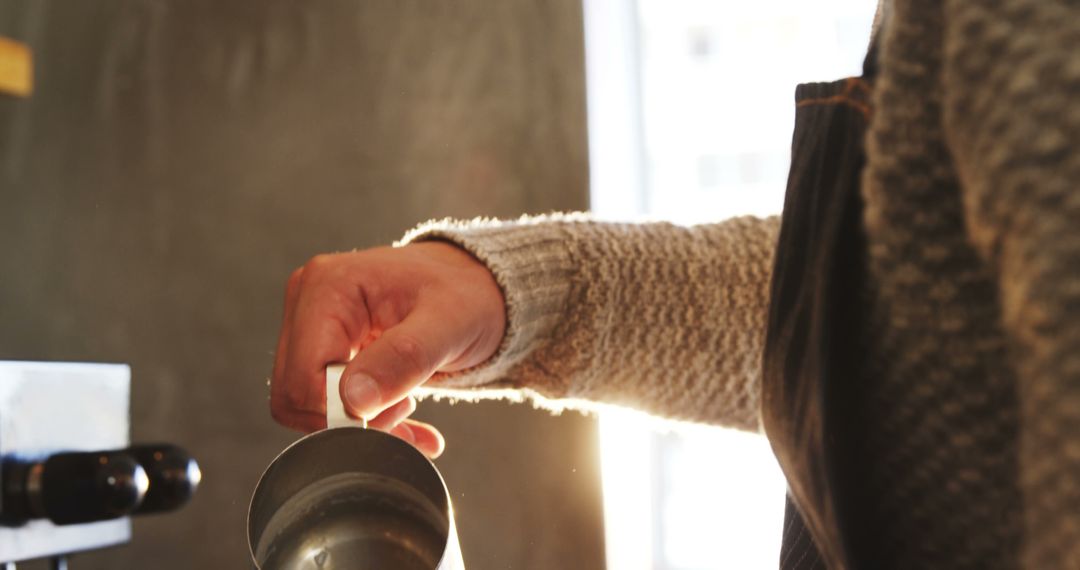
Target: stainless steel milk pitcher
{"points": [[349, 497]]}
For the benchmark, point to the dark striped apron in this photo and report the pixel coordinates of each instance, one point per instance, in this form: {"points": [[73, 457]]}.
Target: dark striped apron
{"points": [[811, 351]]}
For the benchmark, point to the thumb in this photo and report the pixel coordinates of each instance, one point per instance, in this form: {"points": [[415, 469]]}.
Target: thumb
{"points": [[401, 359]]}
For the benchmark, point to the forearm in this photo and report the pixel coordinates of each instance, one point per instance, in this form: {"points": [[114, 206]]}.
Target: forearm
{"points": [[657, 317]]}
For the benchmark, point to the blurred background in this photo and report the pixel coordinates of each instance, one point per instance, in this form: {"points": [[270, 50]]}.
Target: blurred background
{"points": [[176, 160]]}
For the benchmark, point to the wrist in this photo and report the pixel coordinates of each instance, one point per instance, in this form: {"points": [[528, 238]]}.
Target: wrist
{"points": [[531, 264]]}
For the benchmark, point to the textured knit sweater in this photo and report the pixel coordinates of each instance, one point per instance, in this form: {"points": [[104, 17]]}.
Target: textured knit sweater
{"points": [[972, 359]]}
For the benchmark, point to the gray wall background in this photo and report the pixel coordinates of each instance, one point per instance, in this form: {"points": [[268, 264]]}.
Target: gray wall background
{"points": [[179, 158]]}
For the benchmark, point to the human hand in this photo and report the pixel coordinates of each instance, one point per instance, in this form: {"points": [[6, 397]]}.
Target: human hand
{"points": [[405, 313]]}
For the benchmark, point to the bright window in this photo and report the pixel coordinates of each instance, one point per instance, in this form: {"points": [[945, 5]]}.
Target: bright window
{"points": [[691, 106]]}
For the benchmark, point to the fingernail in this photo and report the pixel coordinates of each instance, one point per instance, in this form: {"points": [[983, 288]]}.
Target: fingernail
{"points": [[362, 394]]}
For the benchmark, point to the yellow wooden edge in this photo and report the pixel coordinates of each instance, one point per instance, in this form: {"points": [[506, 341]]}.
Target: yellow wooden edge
{"points": [[16, 68]]}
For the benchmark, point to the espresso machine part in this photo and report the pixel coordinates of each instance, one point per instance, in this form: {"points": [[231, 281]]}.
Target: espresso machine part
{"points": [[73, 488], [85, 487], [349, 497], [173, 473], [69, 481]]}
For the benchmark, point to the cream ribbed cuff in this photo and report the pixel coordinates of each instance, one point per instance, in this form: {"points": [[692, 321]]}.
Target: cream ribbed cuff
{"points": [[533, 267]]}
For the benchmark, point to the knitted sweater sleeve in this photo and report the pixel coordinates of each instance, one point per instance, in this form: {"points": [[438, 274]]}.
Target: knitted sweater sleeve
{"points": [[1012, 83], [665, 319]]}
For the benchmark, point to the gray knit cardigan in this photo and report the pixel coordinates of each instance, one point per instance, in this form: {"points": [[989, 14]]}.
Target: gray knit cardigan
{"points": [[972, 221]]}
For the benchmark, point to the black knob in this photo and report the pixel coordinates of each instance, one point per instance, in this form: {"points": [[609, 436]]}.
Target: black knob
{"points": [[174, 476], [74, 488]]}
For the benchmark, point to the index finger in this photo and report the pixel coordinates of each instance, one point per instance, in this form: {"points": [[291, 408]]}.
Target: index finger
{"points": [[279, 410], [325, 328]]}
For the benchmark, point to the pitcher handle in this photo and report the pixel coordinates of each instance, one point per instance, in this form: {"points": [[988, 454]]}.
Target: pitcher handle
{"points": [[335, 408]]}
